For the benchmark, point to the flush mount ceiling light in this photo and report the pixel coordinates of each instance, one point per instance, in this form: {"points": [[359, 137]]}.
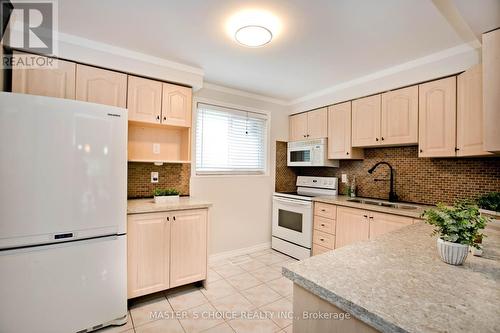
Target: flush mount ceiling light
{"points": [[253, 28], [253, 35]]}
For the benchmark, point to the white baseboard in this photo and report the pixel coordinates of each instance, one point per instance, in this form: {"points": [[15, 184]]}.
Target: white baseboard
{"points": [[238, 252]]}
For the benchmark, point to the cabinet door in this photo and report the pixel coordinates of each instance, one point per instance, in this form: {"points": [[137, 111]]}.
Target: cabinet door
{"points": [[298, 127], [366, 121], [317, 124], [339, 133], [148, 252], [437, 118], [57, 82], [101, 86], [470, 113], [381, 223], [352, 226], [399, 117], [176, 105], [491, 86], [144, 100], [188, 259]]}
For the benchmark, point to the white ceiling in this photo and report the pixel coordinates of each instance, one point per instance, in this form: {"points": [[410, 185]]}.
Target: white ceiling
{"points": [[323, 42]]}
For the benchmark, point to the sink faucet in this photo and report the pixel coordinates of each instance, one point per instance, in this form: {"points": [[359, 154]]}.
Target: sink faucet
{"points": [[392, 194]]}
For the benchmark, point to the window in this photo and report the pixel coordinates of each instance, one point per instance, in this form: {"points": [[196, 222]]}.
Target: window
{"points": [[230, 141]]}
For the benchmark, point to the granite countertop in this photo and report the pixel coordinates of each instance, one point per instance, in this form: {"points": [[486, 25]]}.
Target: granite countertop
{"points": [[137, 206], [397, 283], [342, 200]]}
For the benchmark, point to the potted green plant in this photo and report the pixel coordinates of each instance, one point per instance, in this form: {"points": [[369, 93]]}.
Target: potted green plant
{"points": [[165, 195], [458, 228]]}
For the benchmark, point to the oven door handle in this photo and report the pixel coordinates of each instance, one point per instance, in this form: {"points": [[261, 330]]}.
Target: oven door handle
{"points": [[292, 201]]}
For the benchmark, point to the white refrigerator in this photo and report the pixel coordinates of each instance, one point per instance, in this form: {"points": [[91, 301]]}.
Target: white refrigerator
{"points": [[63, 255]]}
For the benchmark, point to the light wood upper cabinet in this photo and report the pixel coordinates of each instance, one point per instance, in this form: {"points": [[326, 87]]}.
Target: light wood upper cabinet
{"points": [[491, 88], [176, 105], [317, 124], [352, 226], [148, 252], [381, 223], [308, 125], [188, 247], [437, 118], [101, 86], [298, 127], [144, 100], [57, 82], [470, 113], [366, 121], [399, 117], [339, 133]]}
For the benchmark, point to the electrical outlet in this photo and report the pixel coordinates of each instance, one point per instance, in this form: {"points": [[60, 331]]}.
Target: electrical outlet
{"points": [[344, 178], [156, 148], [154, 177]]}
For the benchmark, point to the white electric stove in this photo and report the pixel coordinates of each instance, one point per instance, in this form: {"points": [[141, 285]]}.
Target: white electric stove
{"points": [[293, 215]]}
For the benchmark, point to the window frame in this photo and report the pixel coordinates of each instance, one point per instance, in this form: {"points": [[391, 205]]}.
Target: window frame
{"points": [[230, 173]]}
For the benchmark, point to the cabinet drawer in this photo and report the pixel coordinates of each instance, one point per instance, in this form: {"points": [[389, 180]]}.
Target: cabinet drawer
{"points": [[325, 210], [323, 239], [324, 224], [318, 249]]}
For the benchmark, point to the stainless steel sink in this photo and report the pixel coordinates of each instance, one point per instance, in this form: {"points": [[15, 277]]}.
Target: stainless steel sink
{"points": [[383, 204]]}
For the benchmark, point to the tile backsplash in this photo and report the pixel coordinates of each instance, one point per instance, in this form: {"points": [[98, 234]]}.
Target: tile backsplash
{"points": [[170, 175], [419, 180]]}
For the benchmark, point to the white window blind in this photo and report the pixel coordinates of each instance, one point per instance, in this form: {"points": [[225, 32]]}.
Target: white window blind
{"points": [[230, 141]]}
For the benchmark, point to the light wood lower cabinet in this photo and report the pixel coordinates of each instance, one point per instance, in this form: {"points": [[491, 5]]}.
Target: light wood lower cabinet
{"points": [[148, 252], [318, 249], [188, 261], [166, 250], [381, 223], [352, 226]]}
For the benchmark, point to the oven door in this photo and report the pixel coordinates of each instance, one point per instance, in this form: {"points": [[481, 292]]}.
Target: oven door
{"points": [[292, 220], [302, 156]]}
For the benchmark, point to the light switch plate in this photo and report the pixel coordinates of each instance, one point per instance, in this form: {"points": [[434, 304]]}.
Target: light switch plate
{"points": [[344, 178], [156, 148], [154, 177]]}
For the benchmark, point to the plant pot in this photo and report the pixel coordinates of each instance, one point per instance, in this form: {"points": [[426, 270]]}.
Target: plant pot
{"points": [[452, 253], [166, 198]]}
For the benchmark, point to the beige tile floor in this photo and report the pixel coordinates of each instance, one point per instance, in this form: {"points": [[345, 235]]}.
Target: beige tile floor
{"points": [[246, 293]]}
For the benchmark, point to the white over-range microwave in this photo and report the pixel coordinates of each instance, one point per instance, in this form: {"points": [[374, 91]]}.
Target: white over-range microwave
{"points": [[310, 153]]}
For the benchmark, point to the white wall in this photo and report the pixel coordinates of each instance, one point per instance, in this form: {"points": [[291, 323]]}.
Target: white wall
{"points": [[241, 212]]}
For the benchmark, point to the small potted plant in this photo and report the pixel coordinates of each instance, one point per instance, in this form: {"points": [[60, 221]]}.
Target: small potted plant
{"points": [[165, 195], [458, 228]]}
